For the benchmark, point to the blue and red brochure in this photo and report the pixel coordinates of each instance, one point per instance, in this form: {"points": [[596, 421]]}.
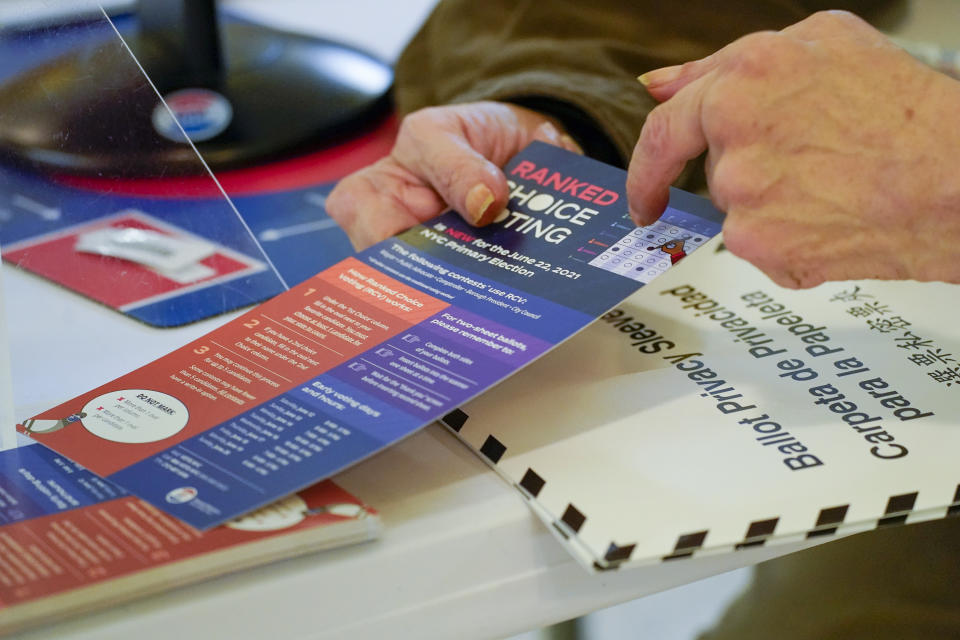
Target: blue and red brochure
{"points": [[375, 347], [64, 532]]}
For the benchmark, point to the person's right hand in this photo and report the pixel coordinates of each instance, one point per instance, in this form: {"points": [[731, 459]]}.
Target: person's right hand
{"points": [[830, 149], [444, 157]]}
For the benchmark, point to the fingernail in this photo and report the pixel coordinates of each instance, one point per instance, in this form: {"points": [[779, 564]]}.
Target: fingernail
{"points": [[548, 131], [479, 199], [661, 76], [571, 143]]}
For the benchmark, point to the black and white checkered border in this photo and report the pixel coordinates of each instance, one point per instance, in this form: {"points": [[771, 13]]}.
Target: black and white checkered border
{"points": [[829, 520]]}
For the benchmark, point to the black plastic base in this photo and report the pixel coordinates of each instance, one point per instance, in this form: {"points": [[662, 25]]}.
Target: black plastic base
{"points": [[90, 111]]}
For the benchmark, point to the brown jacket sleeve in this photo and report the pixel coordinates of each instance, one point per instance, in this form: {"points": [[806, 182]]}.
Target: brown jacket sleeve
{"points": [[575, 59]]}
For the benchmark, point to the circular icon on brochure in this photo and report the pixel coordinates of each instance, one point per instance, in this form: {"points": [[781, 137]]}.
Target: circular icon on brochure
{"points": [[134, 416], [278, 515], [203, 114], [181, 495], [293, 510], [345, 510]]}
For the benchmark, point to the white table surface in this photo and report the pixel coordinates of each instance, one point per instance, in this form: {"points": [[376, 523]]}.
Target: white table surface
{"points": [[461, 555]]}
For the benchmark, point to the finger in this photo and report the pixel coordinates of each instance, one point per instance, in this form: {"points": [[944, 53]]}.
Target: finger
{"points": [[571, 145], [662, 84], [672, 135], [380, 201], [441, 156], [548, 132]]}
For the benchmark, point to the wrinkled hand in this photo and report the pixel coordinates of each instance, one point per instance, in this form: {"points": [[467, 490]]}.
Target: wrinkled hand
{"points": [[834, 154], [444, 157]]}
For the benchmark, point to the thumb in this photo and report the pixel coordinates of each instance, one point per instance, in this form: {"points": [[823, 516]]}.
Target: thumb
{"points": [[457, 150], [468, 182]]}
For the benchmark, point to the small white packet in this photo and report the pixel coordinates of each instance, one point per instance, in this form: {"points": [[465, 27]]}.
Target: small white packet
{"points": [[188, 274], [152, 249]]}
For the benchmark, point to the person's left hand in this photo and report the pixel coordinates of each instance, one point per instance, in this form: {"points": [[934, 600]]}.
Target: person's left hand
{"points": [[444, 157]]}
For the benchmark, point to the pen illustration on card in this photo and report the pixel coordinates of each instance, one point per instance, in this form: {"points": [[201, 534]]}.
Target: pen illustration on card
{"points": [[31, 427], [365, 352]]}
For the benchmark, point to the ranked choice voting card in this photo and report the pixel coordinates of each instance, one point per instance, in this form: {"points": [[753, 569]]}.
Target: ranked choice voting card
{"points": [[375, 347]]}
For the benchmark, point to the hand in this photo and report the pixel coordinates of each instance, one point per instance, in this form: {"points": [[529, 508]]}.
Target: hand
{"points": [[444, 157], [834, 154]]}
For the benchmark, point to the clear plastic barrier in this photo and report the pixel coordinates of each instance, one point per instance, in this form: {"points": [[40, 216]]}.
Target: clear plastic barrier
{"points": [[7, 431], [104, 240]]}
